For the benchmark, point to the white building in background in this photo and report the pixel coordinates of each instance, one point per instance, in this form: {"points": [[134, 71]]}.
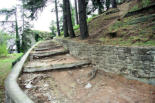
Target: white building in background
{"points": [[11, 45]]}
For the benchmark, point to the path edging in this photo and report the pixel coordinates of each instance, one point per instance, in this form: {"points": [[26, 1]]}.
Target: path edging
{"points": [[13, 92]]}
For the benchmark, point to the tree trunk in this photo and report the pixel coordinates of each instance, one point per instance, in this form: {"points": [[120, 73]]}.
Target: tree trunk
{"points": [[17, 34], [69, 20], [114, 3], [107, 4], [23, 19], [76, 12], [82, 19], [57, 18], [65, 26], [100, 7]]}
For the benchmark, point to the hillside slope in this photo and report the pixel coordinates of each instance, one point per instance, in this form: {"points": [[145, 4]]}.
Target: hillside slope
{"points": [[131, 24]]}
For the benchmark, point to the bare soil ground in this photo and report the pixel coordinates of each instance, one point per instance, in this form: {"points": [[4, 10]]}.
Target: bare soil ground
{"points": [[69, 86]]}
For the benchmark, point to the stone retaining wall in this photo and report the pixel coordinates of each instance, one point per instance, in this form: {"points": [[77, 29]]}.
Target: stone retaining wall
{"points": [[132, 62]]}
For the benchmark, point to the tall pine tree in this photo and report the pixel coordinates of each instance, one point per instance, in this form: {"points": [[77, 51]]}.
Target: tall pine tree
{"points": [[83, 19]]}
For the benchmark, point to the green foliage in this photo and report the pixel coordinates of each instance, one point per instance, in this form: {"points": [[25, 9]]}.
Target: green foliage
{"points": [[134, 8], [61, 23], [120, 1], [5, 68], [141, 4], [145, 3], [32, 36], [4, 37], [137, 30], [61, 33], [150, 43], [116, 26], [73, 16], [3, 43], [7, 12], [94, 15], [34, 6], [89, 19], [141, 19], [76, 27], [128, 42], [3, 50], [53, 29], [41, 34]]}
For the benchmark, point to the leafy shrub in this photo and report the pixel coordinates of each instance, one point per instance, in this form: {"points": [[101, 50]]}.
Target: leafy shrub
{"points": [[3, 50], [76, 27], [3, 46], [89, 19], [62, 33], [134, 8], [145, 3]]}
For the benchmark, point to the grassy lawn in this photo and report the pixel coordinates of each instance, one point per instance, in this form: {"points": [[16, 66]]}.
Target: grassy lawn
{"points": [[5, 68]]}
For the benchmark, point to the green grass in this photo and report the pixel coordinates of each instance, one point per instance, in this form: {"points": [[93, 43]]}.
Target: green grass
{"points": [[136, 30], [128, 42], [115, 41], [91, 18], [116, 26], [142, 4], [148, 43], [5, 68], [145, 3], [76, 27], [3, 50], [134, 8]]}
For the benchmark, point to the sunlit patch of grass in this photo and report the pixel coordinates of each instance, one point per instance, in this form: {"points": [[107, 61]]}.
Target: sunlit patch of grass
{"points": [[5, 68], [127, 42], [148, 43], [145, 3], [115, 41], [134, 8], [3, 50], [76, 27]]}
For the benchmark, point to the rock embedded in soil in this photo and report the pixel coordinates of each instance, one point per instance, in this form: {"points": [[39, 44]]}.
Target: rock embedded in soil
{"points": [[57, 66], [52, 53]]}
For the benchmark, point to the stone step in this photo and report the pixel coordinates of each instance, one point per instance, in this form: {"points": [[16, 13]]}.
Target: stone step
{"points": [[47, 45], [57, 66], [42, 45], [48, 54], [47, 48]]}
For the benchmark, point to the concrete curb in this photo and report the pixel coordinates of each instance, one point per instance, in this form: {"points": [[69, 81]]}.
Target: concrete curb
{"points": [[13, 92]]}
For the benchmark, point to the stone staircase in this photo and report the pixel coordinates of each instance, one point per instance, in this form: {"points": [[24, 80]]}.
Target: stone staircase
{"points": [[52, 75], [49, 55]]}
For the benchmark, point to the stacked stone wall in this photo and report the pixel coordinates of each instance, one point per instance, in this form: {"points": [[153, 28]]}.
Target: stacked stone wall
{"points": [[132, 62]]}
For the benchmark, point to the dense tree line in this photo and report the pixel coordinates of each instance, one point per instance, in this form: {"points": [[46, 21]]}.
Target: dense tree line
{"points": [[80, 7], [9, 13], [81, 12]]}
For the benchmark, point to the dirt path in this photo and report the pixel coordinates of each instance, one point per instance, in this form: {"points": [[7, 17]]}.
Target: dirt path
{"points": [[74, 85]]}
